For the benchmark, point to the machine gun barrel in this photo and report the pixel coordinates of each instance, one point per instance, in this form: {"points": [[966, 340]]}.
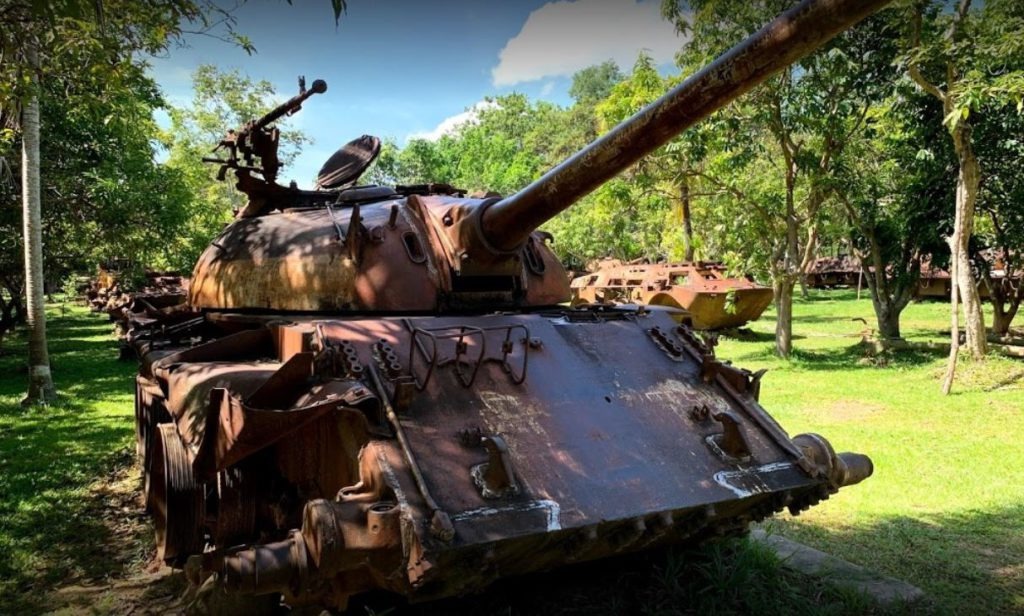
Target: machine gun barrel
{"points": [[791, 36], [289, 106]]}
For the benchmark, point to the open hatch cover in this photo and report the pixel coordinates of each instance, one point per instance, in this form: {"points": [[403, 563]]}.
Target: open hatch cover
{"points": [[350, 161]]}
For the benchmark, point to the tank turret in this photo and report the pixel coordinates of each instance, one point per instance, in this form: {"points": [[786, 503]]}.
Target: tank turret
{"points": [[383, 389], [429, 247]]}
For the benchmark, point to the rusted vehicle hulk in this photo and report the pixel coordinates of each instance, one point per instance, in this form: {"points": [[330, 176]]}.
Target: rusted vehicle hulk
{"points": [[384, 389], [108, 293], [831, 272], [154, 303], [707, 297]]}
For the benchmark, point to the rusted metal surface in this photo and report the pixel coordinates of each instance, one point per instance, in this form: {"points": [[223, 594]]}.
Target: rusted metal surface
{"points": [[302, 260], [107, 293], [935, 282], [159, 301], [365, 393], [830, 272], [710, 298], [584, 450]]}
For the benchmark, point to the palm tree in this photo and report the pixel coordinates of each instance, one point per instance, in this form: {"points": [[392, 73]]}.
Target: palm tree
{"points": [[40, 381], [19, 51]]}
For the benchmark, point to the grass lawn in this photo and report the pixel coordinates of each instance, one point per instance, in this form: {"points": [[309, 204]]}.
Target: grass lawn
{"points": [[945, 509], [54, 526]]}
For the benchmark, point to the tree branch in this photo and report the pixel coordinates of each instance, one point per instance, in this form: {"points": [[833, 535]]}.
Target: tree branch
{"points": [[736, 192], [912, 68]]}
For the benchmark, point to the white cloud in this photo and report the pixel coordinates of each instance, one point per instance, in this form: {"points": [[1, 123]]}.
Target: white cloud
{"points": [[547, 89], [451, 123], [563, 37]]}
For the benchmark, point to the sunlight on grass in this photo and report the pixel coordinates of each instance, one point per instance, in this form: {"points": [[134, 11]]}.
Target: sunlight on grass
{"points": [[945, 508], [50, 456]]}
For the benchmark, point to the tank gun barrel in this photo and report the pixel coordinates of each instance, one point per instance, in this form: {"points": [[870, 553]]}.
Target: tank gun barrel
{"points": [[291, 105], [504, 225]]}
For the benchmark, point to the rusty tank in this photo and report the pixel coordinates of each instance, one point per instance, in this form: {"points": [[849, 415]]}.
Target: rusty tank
{"points": [[386, 389], [832, 272], [703, 292]]}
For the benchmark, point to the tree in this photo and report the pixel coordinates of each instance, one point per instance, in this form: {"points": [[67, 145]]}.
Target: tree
{"points": [[661, 181], [28, 28], [506, 147], [384, 170], [40, 381], [593, 84], [103, 195], [105, 37], [960, 58], [999, 133], [897, 184], [772, 179], [23, 27]]}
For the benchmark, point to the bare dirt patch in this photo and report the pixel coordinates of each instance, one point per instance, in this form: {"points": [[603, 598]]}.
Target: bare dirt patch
{"points": [[852, 410], [134, 582]]}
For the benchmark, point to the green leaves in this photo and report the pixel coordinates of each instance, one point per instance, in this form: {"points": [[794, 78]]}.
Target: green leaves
{"points": [[340, 7], [968, 60]]}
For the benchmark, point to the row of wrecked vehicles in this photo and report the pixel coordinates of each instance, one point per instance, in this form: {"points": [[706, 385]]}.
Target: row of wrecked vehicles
{"points": [[375, 388], [933, 282], [701, 294]]}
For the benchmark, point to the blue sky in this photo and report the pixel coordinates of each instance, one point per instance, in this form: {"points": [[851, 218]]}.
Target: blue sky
{"points": [[404, 68]]}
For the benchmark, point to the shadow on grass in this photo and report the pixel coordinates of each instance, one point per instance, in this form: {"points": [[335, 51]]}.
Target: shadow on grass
{"points": [[854, 322], [856, 356], [749, 335], [980, 554], [1012, 378], [51, 529], [727, 577], [848, 358], [818, 296]]}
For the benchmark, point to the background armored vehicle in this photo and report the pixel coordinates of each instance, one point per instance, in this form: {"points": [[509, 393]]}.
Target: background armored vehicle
{"points": [[710, 298], [829, 272], [384, 389]]}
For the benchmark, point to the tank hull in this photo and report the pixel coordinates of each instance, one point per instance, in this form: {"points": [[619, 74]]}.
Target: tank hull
{"points": [[723, 310], [431, 454]]}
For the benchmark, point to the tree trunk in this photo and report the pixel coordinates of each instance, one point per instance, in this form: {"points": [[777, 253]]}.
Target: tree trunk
{"points": [[40, 382], [954, 318], [783, 289], [1001, 322], [785, 280], [967, 183], [684, 208], [888, 300], [890, 294], [889, 324], [1005, 301]]}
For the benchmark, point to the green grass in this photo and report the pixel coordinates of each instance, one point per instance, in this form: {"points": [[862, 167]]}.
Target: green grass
{"points": [[945, 509], [51, 524]]}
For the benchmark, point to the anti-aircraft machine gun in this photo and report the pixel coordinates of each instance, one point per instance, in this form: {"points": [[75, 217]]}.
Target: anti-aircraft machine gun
{"points": [[384, 389]]}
